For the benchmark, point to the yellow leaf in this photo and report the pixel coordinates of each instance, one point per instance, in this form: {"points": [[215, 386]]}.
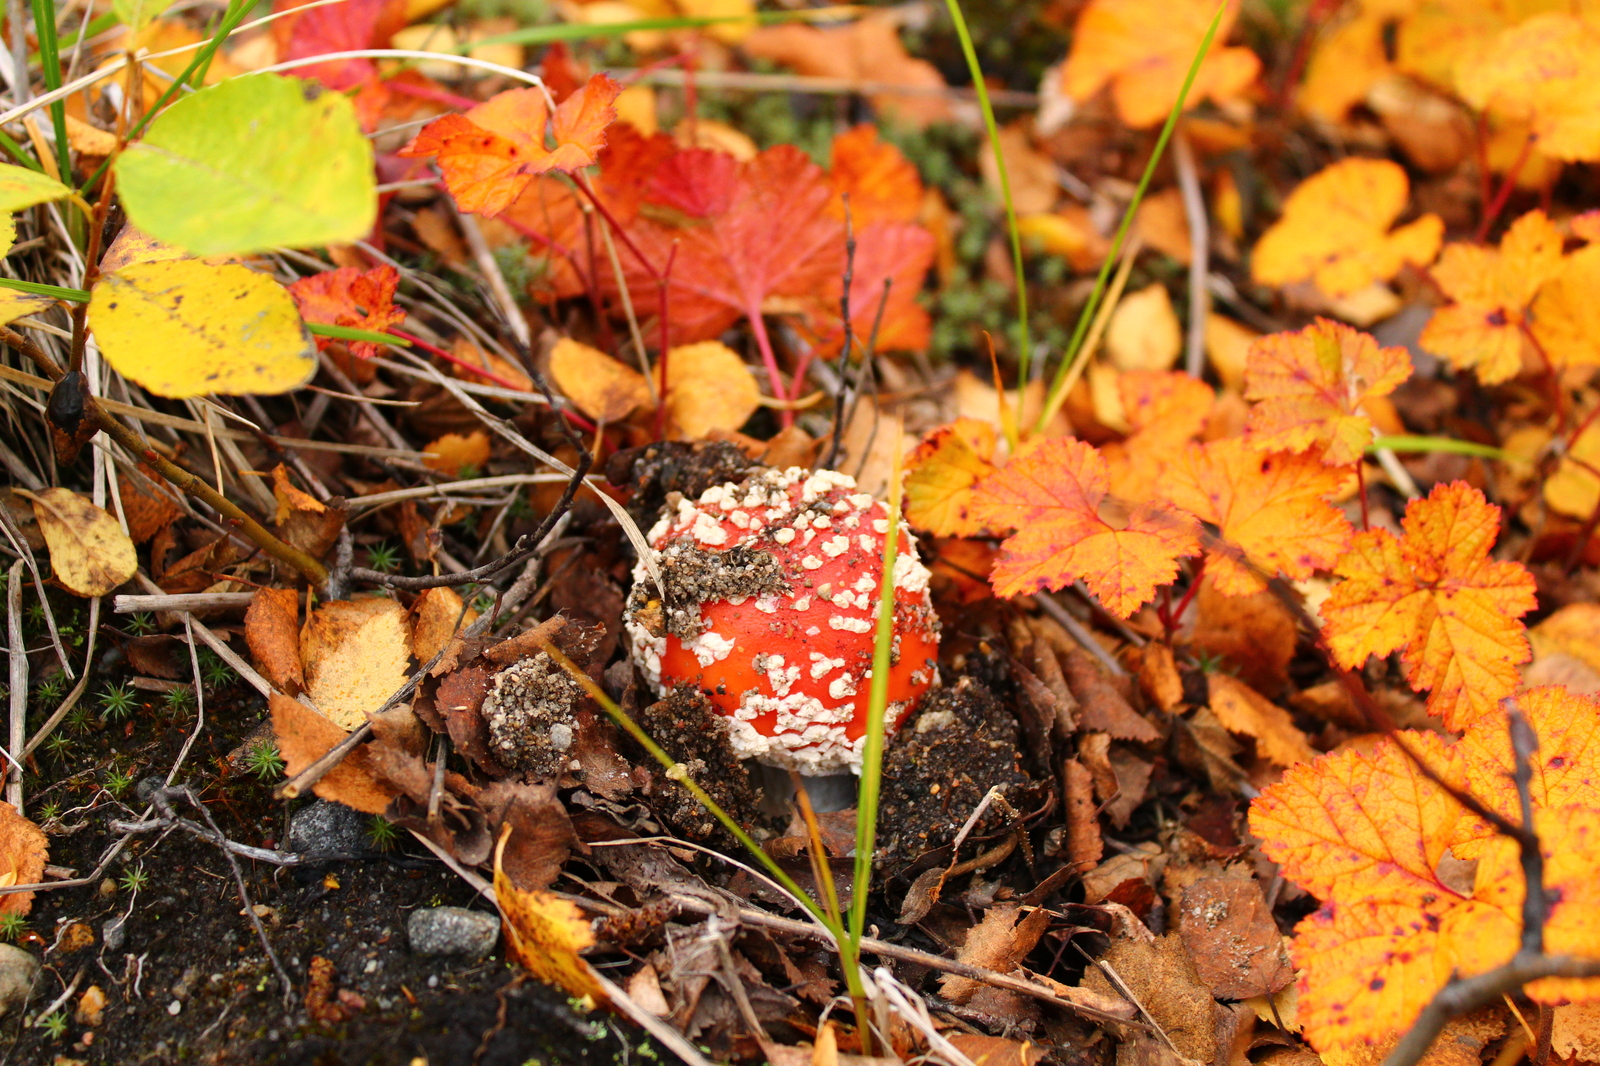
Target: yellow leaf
{"points": [[941, 474], [8, 234], [455, 452], [1335, 230], [1144, 333], [13, 304], [1542, 71], [186, 328], [707, 387], [356, 654], [1573, 489], [601, 387], [89, 552], [544, 934], [1566, 315]]}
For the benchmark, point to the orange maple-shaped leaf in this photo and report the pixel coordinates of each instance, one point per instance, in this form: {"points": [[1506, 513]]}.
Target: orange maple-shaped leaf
{"points": [[1270, 508], [353, 298], [1542, 72], [490, 154], [1335, 230], [1368, 835], [1054, 496], [1309, 387], [1164, 410], [1566, 315], [1566, 768], [942, 473], [1436, 596], [1145, 48], [882, 185], [1491, 289]]}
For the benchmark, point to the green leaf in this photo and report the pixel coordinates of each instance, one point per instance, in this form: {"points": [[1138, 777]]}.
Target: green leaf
{"points": [[180, 327], [21, 187], [252, 164], [137, 14]]}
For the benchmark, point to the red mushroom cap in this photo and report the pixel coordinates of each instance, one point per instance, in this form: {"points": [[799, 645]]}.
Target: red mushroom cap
{"points": [[772, 588]]}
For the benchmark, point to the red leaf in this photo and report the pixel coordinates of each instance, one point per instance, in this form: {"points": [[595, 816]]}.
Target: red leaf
{"points": [[352, 298], [342, 27]]}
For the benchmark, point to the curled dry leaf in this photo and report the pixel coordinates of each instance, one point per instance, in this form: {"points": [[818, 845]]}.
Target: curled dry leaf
{"points": [[545, 933], [1232, 940], [708, 387], [304, 736], [356, 653], [302, 520], [89, 552], [23, 852], [1244, 710], [602, 388], [272, 630], [436, 616]]}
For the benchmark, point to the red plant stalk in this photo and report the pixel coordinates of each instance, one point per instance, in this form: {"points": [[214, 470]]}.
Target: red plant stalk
{"points": [[1508, 185], [484, 372]]}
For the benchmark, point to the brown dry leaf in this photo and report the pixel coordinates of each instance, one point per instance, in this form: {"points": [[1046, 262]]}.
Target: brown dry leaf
{"points": [[356, 655], [1158, 677], [436, 616], [301, 519], [455, 452], [146, 508], [24, 850], [1144, 333], [545, 933], [1035, 187], [1576, 1032], [1163, 224], [708, 387], [996, 1050], [1254, 634], [1244, 710], [999, 942], [602, 388], [1460, 1044], [1101, 708], [304, 736], [1084, 843], [89, 552], [1158, 973], [272, 630], [1232, 940]]}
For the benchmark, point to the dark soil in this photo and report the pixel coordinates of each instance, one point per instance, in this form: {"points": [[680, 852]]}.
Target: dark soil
{"points": [[190, 980]]}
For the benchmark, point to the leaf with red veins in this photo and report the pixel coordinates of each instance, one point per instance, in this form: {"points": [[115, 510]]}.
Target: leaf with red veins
{"points": [[1272, 506], [898, 252], [1437, 597], [750, 237], [1054, 495], [490, 154]]}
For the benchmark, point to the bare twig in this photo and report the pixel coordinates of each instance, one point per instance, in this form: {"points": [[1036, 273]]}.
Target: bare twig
{"points": [[1194, 210]]}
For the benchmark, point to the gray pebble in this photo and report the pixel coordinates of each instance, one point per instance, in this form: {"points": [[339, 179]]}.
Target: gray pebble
{"points": [[113, 932], [328, 828], [452, 931], [19, 971]]}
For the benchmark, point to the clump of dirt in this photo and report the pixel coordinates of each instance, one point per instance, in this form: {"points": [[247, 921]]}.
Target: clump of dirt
{"points": [[692, 575], [689, 728], [938, 768], [529, 715], [657, 470]]}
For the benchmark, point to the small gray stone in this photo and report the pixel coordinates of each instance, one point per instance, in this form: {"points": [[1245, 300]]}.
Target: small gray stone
{"points": [[328, 828], [19, 971], [113, 933], [452, 931]]}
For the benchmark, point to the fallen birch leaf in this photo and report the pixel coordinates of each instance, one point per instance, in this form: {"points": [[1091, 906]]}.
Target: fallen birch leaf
{"points": [[304, 736], [707, 387], [89, 552], [272, 631], [356, 655], [545, 933], [602, 388], [24, 850]]}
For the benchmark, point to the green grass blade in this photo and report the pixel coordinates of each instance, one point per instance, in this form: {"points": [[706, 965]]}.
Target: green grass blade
{"points": [[44, 23], [1435, 444], [1024, 342], [348, 333], [23, 157], [1086, 316], [567, 31], [53, 291]]}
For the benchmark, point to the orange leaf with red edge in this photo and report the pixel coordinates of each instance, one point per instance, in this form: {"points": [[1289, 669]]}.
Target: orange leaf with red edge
{"points": [[353, 298], [1054, 495], [1492, 290], [1309, 387], [1144, 48], [1437, 597], [1270, 506], [1335, 230], [490, 154], [942, 473]]}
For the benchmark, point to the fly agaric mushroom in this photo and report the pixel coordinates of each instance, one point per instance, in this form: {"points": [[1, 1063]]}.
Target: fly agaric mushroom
{"points": [[772, 606]]}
